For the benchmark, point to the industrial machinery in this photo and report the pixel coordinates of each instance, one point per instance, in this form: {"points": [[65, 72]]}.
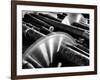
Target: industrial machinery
{"points": [[55, 39]]}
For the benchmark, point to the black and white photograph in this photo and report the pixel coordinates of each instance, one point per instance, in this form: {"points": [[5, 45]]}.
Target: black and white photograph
{"points": [[55, 39], [52, 39]]}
